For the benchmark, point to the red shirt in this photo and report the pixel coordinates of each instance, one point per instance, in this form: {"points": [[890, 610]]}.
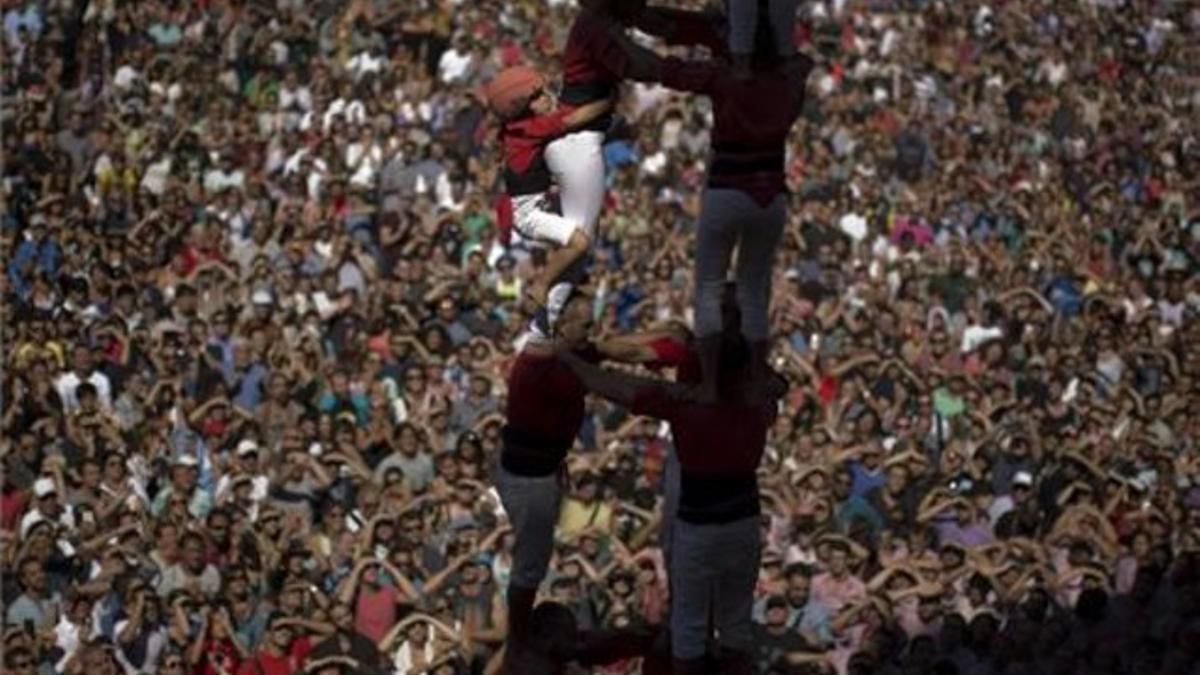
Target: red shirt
{"points": [[524, 140], [291, 663]]}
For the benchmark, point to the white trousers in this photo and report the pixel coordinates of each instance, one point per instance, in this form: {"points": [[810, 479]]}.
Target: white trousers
{"points": [[533, 220], [729, 219], [577, 162]]}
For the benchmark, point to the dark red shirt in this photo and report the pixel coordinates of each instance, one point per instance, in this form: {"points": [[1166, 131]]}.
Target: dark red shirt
{"points": [[717, 439], [544, 411], [719, 448], [524, 140], [752, 116], [591, 66]]}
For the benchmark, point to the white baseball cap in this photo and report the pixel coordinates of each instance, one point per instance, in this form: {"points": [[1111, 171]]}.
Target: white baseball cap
{"points": [[246, 447], [186, 460], [1023, 478], [44, 487]]}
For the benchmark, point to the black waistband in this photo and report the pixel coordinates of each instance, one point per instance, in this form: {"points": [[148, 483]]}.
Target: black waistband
{"points": [[709, 500], [743, 148], [531, 455], [534, 180], [734, 165], [580, 94]]}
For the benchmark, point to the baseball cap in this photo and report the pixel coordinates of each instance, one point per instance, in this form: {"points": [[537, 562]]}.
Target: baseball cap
{"points": [[1023, 478], [246, 447], [186, 460], [44, 487], [510, 90]]}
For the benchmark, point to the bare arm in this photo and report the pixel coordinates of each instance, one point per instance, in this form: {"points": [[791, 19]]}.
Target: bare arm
{"points": [[586, 114], [617, 387]]}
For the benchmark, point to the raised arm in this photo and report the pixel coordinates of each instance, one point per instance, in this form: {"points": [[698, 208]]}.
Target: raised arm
{"points": [[680, 27], [632, 61], [586, 114], [620, 388], [644, 347]]}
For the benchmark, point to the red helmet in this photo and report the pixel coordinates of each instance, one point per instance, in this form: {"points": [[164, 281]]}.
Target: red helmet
{"points": [[510, 91]]}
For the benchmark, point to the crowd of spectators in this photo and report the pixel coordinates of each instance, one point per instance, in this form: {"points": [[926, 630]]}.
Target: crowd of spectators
{"points": [[256, 323]]}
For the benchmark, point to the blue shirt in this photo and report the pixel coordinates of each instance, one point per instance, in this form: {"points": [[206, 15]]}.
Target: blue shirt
{"points": [[864, 480]]}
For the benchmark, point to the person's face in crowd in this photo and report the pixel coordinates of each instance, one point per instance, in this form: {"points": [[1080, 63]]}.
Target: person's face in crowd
{"points": [[408, 441], [49, 505], [929, 608], [185, 477], [33, 578], [841, 485], [99, 661], [334, 519], [239, 586], [1022, 494], [897, 479], [90, 475], [414, 382], [951, 558], [839, 562], [218, 529], [82, 361], [1140, 545], [193, 555], [281, 636], [799, 586], [873, 456], [343, 618]]}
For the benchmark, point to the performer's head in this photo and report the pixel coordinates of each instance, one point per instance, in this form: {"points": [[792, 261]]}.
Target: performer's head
{"points": [[554, 631], [574, 322], [517, 92]]}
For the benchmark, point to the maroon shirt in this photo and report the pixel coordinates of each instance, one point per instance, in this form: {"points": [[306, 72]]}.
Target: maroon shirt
{"points": [[524, 140], [719, 447], [544, 411], [752, 116], [591, 66]]}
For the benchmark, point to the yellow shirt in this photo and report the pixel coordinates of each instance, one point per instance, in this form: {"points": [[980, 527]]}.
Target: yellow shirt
{"points": [[576, 516]]}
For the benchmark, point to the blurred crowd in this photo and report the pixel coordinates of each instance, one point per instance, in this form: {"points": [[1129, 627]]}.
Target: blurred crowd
{"points": [[256, 322]]}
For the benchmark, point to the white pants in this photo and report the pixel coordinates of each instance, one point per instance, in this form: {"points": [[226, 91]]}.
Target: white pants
{"points": [[577, 162], [728, 219], [533, 220], [743, 22]]}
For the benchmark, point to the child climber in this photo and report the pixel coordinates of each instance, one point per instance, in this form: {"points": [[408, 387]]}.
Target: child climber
{"points": [[529, 120]]}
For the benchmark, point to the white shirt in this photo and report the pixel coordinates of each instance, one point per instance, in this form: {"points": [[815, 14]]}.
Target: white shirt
{"points": [[34, 516], [453, 66], [67, 383]]}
